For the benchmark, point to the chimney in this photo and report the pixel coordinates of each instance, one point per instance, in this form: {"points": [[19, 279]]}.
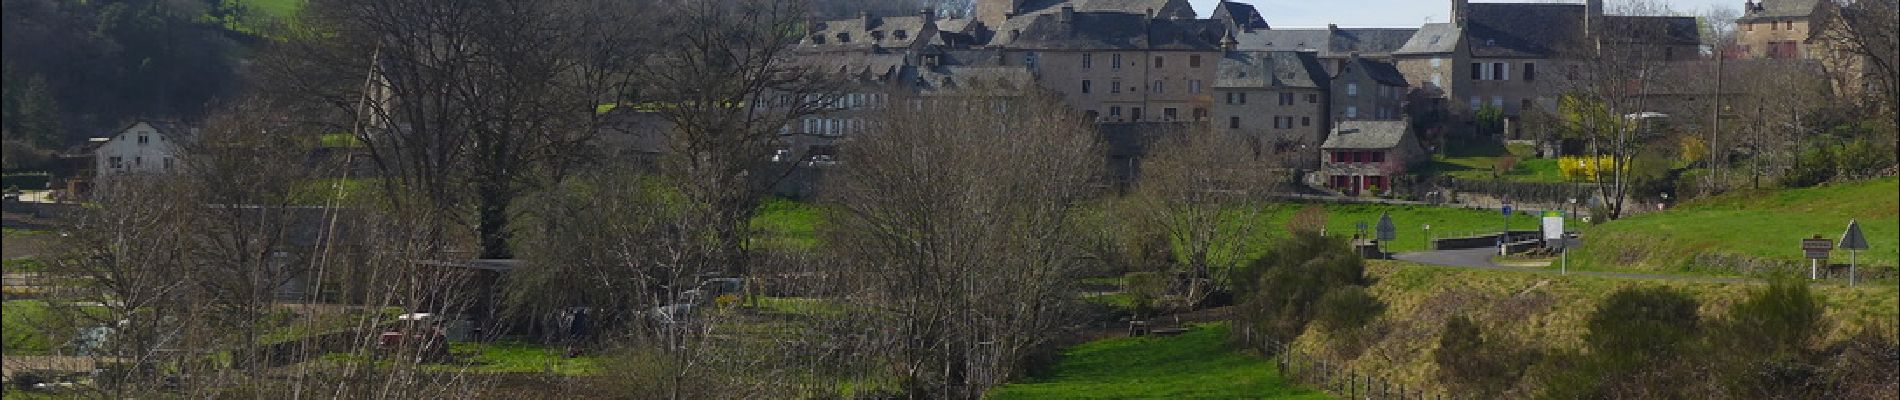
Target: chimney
{"points": [[928, 14], [1068, 15], [1332, 27], [865, 18], [1228, 42], [1460, 12]]}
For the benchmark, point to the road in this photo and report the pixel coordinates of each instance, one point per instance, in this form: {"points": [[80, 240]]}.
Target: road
{"points": [[1481, 259]]}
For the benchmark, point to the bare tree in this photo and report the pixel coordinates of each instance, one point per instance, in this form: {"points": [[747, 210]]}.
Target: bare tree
{"points": [[959, 231], [1613, 70], [1199, 186], [469, 105], [1860, 41], [723, 78]]}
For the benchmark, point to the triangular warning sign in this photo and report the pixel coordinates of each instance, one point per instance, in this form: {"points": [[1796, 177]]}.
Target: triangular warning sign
{"points": [[1853, 239]]}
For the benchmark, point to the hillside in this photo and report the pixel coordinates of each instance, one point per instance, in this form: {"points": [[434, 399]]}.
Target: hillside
{"points": [[1545, 310], [1747, 233]]}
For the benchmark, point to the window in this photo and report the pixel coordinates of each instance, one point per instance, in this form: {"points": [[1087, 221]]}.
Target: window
{"points": [[143, 139], [1438, 79], [1571, 73], [116, 162], [1437, 62], [1230, 97], [1134, 113], [1158, 88], [1194, 61], [1378, 156], [1306, 121], [1088, 60], [1115, 61], [1115, 86], [1530, 72], [1352, 89], [1200, 114], [1170, 114], [1352, 111], [1748, 27], [1286, 99], [138, 161], [1085, 86], [1232, 123], [901, 34], [1773, 26], [1158, 61], [1477, 71], [1312, 98], [168, 163], [1498, 101], [1475, 102], [1029, 59], [1115, 112], [1194, 86], [1502, 71]]}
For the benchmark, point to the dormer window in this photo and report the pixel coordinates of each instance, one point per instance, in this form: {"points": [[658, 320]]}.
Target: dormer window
{"points": [[901, 34], [877, 35], [844, 37], [817, 39]]}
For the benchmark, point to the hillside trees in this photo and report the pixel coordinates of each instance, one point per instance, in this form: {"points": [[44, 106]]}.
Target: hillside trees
{"points": [[1283, 291], [960, 232]]}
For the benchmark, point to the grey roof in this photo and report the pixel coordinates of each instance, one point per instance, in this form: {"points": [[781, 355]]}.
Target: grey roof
{"points": [[1033, 11], [874, 31], [1329, 42], [1271, 69], [1523, 30], [1110, 31], [1778, 10], [1654, 29], [1239, 16], [1379, 71], [1432, 39], [1366, 135]]}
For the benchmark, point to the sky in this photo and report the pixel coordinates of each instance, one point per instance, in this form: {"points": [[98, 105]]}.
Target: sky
{"points": [[1395, 13]]}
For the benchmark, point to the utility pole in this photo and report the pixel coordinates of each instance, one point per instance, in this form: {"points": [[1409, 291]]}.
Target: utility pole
{"points": [[1715, 125]]}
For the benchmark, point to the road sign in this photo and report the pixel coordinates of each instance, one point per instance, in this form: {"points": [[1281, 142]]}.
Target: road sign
{"points": [[1362, 227], [1507, 209], [1817, 247], [1387, 230], [1553, 225], [1853, 239]]}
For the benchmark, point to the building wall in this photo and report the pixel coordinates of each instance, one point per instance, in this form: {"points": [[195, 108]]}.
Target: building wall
{"points": [[1779, 38], [1358, 97], [139, 148], [1287, 134], [1116, 90]]}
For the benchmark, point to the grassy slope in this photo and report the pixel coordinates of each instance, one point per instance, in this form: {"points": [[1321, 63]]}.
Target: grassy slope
{"points": [[1195, 365], [1545, 310], [1478, 160], [1762, 225]]}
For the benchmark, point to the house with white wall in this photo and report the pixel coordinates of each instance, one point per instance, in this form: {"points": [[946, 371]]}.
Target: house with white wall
{"points": [[144, 147]]}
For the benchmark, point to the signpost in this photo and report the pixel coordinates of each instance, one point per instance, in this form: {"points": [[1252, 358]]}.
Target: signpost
{"points": [[1386, 230], [1853, 241], [1554, 233], [1816, 249], [1505, 235]]}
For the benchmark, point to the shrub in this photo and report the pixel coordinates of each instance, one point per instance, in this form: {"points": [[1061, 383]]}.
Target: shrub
{"points": [[1144, 291], [1347, 307], [1639, 324], [1475, 363], [1812, 167], [1861, 159], [1279, 292]]}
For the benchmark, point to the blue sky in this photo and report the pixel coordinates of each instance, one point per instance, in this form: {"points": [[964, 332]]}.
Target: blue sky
{"points": [[1395, 13]]}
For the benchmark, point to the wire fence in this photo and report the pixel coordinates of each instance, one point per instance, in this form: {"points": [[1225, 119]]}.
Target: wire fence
{"points": [[1337, 378]]}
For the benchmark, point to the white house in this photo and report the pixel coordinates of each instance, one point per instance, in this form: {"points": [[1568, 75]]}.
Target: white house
{"points": [[145, 147]]}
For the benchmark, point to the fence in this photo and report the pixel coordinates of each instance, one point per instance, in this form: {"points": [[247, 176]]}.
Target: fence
{"points": [[1334, 378]]}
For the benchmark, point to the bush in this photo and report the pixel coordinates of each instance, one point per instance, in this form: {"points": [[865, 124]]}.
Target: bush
{"points": [[1862, 159], [1640, 324], [1346, 308], [1477, 364], [1813, 167], [1144, 291], [1766, 339], [1280, 292]]}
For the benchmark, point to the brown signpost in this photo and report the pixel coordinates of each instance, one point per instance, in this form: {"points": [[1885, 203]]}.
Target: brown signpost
{"points": [[1816, 248]]}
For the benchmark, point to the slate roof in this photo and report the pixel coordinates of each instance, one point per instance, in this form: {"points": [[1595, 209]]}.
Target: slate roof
{"points": [[1271, 69], [868, 31], [1366, 135], [1432, 39], [1768, 10], [1111, 31], [1239, 16], [1653, 29], [1379, 71], [1330, 42], [1033, 11], [1523, 30]]}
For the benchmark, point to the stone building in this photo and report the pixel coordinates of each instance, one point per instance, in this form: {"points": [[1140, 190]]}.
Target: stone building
{"points": [[1276, 98], [1368, 155]]}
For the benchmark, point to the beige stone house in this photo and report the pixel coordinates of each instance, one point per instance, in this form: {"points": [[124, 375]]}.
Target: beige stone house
{"points": [[1775, 29], [1367, 89], [1119, 66], [1276, 98]]}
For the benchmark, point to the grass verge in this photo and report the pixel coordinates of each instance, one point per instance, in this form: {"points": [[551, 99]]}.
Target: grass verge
{"points": [[1747, 233], [1194, 365]]}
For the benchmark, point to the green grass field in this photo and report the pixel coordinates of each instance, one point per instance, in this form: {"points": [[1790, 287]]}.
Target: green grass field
{"points": [[1711, 236], [1477, 160], [1194, 365]]}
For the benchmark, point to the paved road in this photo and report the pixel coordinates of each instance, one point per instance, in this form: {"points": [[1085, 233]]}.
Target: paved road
{"points": [[1481, 259]]}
